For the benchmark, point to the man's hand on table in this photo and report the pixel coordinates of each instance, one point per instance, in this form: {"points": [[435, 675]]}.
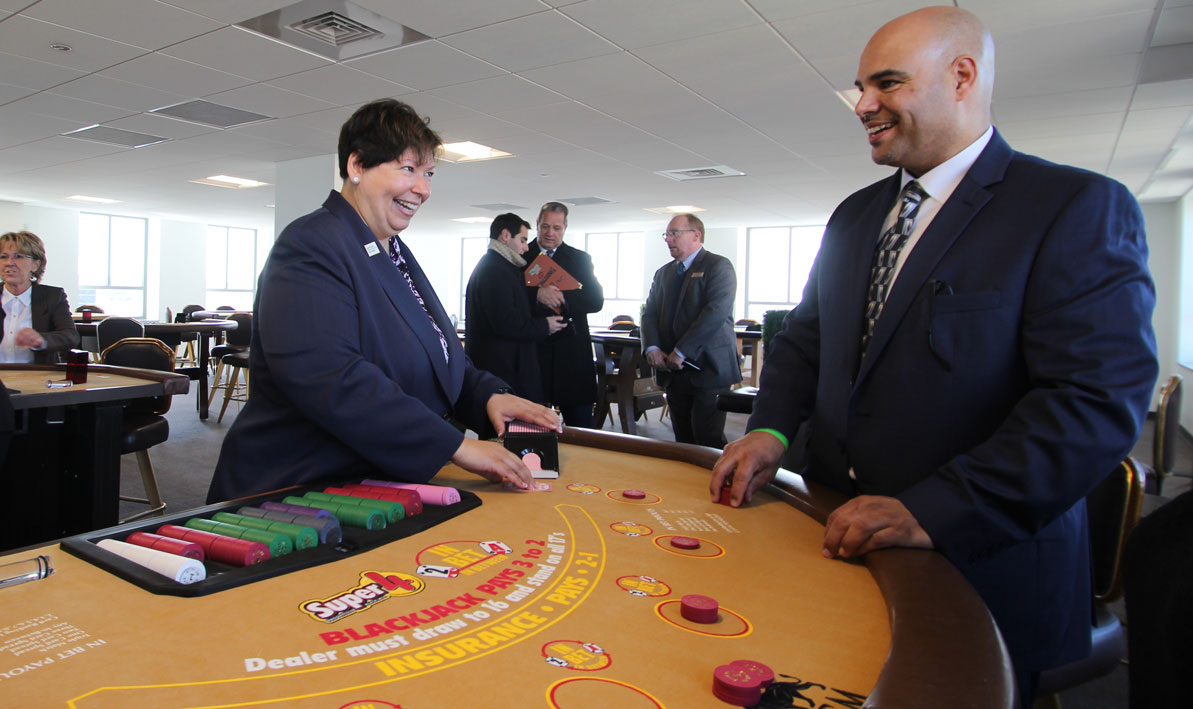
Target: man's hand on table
{"points": [[870, 522], [752, 461]]}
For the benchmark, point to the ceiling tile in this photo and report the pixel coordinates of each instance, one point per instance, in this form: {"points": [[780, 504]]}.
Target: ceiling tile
{"points": [[33, 74], [531, 42], [340, 85], [437, 19], [82, 112], [17, 127], [498, 94], [160, 124], [243, 53], [660, 21], [269, 101], [32, 38], [1060, 103], [1175, 26], [597, 76], [426, 65], [574, 124], [230, 11], [142, 23], [1167, 93], [167, 73], [114, 92]]}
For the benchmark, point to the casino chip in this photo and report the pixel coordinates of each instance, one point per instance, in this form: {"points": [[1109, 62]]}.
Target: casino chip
{"points": [[633, 494], [685, 543], [741, 682], [699, 609]]}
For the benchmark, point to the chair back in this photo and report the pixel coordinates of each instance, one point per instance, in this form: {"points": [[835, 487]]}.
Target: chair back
{"points": [[627, 326], [185, 314], [1113, 507], [242, 336], [146, 353], [109, 330], [89, 309], [622, 318], [1168, 426]]}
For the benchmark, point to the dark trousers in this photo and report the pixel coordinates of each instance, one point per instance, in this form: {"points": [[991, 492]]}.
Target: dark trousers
{"points": [[578, 415], [694, 414]]}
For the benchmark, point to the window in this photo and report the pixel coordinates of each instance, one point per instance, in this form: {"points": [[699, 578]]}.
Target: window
{"points": [[472, 249], [778, 260], [618, 263], [112, 263], [231, 267]]}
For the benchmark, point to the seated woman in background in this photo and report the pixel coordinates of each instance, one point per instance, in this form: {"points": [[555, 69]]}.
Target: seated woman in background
{"points": [[35, 323], [356, 367]]}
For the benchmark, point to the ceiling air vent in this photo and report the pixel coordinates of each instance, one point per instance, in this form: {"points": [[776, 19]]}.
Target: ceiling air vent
{"points": [[700, 173], [210, 114], [499, 207], [115, 136], [335, 29], [585, 201]]}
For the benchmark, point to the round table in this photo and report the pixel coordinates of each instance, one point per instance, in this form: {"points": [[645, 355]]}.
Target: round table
{"points": [[204, 328], [564, 598]]}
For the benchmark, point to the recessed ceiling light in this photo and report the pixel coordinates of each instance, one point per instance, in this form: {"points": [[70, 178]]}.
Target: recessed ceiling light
{"points": [[850, 97], [469, 151], [91, 200], [474, 220], [676, 209], [236, 183]]}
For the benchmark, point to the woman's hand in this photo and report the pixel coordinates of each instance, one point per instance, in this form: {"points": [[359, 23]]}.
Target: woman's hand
{"points": [[30, 338], [503, 408], [492, 462]]}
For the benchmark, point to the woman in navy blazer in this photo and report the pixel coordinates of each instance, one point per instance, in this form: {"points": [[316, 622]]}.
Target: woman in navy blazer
{"points": [[356, 367], [50, 329]]}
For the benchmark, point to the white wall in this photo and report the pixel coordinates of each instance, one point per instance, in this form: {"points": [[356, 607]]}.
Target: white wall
{"points": [[59, 229], [183, 265], [302, 185], [1170, 242]]}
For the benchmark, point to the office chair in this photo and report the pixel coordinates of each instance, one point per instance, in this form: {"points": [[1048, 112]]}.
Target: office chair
{"points": [[1113, 508]]}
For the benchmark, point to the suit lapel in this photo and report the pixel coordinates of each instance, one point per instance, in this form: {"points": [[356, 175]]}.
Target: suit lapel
{"points": [[450, 373], [954, 216]]}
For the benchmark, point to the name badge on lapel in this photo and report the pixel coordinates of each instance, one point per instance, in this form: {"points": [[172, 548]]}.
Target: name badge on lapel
{"points": [[698, 274], [372, 249]]}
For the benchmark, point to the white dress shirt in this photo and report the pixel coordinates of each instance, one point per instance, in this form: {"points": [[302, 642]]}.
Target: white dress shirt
{"points": [[18, 315], [938, 183]]}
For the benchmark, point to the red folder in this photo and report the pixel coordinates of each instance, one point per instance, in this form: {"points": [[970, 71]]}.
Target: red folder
{"points": [[543, 271]]}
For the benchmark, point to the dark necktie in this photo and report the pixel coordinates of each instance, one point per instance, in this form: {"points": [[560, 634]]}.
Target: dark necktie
{"points": [[551, 254], [887, 255], [395, 255], [673, 293]]}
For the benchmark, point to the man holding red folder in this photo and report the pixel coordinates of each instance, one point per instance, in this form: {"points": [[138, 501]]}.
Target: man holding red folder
{"points": [[568, 372]]}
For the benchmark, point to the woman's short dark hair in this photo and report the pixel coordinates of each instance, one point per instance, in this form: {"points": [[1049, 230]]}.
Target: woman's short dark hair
{"points": [[383, 130], [30, 244]]}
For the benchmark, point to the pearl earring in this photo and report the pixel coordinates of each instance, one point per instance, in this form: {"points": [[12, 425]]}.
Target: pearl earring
{"points": [[356, 180]]}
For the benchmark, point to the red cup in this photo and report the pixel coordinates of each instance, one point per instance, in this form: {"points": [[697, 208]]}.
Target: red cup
{"points": [[86, 316], [76, 366]]}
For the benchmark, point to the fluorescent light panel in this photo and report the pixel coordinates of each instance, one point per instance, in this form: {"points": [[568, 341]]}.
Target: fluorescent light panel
{"points": [[91, 200], [676, 209], [468, 151], [236, 183]]}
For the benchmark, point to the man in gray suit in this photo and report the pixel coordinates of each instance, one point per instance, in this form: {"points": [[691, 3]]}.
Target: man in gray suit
{"points": [[687, 332]]}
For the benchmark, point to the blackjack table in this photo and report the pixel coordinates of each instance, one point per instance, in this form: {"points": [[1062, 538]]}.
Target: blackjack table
{"points": [[579, 595]]}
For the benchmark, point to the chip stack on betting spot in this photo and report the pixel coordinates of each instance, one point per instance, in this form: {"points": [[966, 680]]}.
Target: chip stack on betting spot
{"points": [[741, 682]]}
